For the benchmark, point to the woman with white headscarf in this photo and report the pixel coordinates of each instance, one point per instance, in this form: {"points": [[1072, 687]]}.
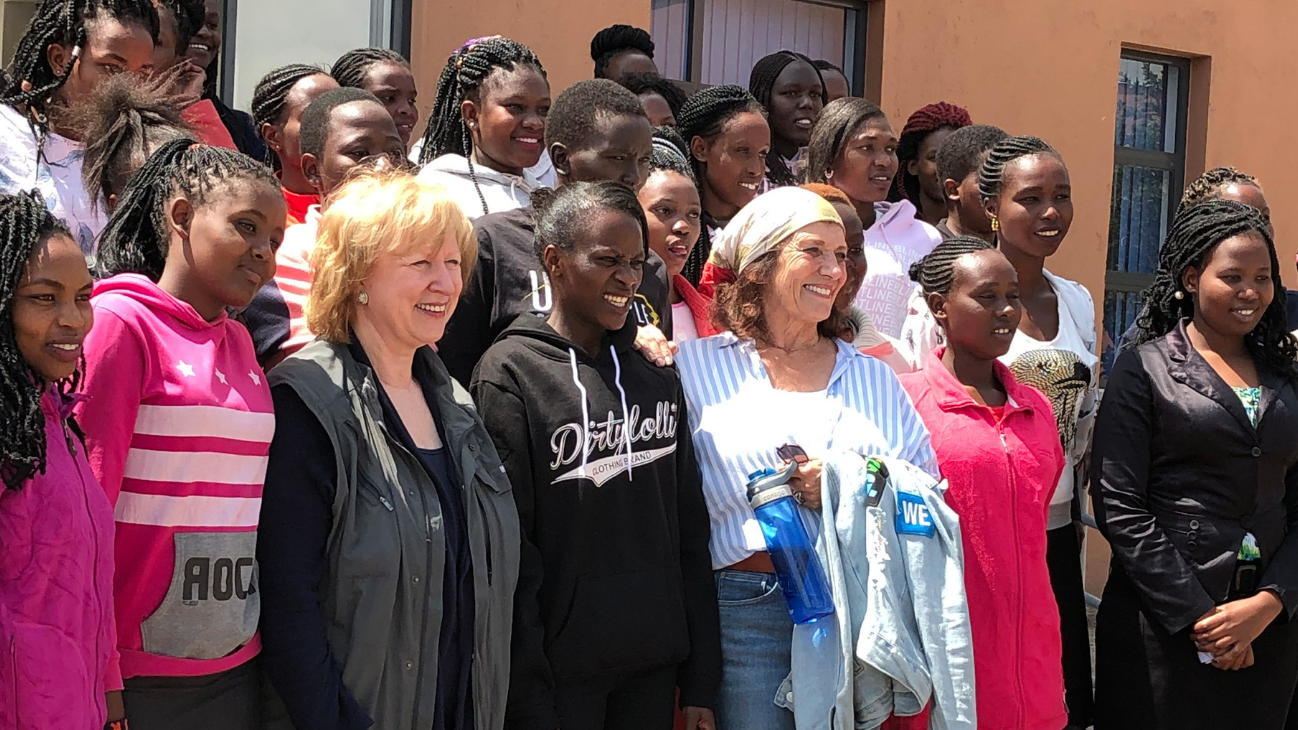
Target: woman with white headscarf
{"points": [[778, 375]]}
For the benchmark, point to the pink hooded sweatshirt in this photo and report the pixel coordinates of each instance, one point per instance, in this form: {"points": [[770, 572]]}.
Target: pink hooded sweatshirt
{"points": [[56, 589], [179, 420], [895, 241], [1002, 473]]}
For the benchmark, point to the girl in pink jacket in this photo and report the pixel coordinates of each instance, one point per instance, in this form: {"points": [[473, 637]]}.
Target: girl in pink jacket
{"points": [[179, 420], [998, 447], [56, 528]]}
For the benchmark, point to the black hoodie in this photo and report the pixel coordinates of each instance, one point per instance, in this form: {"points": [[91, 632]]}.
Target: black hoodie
{"points": [[508, 280], [615, 574]]}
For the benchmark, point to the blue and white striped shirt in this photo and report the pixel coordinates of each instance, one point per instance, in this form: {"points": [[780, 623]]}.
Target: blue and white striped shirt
{"points": [[738, 420]]}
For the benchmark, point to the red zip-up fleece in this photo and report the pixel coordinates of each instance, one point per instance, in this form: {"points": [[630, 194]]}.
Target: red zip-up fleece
{"points": [[1002, 473]]}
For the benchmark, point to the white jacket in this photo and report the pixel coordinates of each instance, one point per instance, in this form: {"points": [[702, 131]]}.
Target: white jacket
{"points": [[502, 192]]}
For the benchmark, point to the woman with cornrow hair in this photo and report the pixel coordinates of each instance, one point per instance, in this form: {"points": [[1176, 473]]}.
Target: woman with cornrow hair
{"points": [[853, 149], [386, 74], [69, 48], [277, 105], [728, 140], [179, 421], [488, 126], [56, 568], [792, 91], [1196, 485], [621, 50], [916, 179], [998, 448]]}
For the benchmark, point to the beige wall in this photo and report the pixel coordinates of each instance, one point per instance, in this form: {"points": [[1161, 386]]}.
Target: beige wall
{"points": [[559, 31], [1050, 68]]}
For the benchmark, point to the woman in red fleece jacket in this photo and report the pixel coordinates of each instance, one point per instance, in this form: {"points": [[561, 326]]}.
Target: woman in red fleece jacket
{"points": [[998, 447]]}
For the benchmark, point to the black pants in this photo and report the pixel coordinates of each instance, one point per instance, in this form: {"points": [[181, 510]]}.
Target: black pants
{"points": [[230, 700], [640, 701], [1063, 559]]}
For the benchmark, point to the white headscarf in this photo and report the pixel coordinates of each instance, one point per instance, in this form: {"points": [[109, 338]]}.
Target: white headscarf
{"points": [[767, 223]]}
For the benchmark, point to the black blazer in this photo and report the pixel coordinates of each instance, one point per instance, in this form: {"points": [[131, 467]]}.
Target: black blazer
{"points": [[1179, 474]]}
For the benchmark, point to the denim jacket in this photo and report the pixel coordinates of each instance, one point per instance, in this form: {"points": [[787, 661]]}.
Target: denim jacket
{"points": [[900, 630]]}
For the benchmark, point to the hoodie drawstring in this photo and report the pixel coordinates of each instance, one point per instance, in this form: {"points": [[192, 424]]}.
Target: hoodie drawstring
{"points": [[585, 410], [626, 416]]}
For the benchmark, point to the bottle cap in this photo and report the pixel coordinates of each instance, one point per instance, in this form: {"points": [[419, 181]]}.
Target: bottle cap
{"points": [[768, 485]]}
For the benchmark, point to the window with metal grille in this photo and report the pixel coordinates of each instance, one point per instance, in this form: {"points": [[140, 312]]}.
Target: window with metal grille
{"points": [[714, 42], [1148, 177]]}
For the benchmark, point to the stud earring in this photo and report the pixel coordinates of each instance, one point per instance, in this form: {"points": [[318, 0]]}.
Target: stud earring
{"points": [[1179, 295], [996, 225], [363, 298]]}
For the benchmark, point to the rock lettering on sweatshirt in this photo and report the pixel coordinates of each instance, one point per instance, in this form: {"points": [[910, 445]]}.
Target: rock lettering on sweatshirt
{"points": [[571, 442]]}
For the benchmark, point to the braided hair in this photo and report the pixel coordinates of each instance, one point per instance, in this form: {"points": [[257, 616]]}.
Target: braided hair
{"points": [[124, 122], [617, 39], [270, 98], [1208, 185], [65, 22], [761, 82], [925, 121], [1195, 234], [935, 273], [705, 115], [654, 84], [670, 153], [462, 78], [351, 68], [991, 178], [24, 223], [136, 237]]}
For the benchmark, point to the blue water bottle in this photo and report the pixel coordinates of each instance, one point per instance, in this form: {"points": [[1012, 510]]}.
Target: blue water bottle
{"points": [[806, 590]]}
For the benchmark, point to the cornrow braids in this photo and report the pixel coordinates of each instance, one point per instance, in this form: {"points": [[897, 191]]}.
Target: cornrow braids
{"points": [[654, 84], [65, 22], [1195, 234], [462, 77], [670, 153], [270, 97], [935, 273], [761, 83], [136, 237], [616, 39], [925, 121], [1210, 183], [351, 68], [991, 176], [705, 115], [124, 122], [24, 223]]}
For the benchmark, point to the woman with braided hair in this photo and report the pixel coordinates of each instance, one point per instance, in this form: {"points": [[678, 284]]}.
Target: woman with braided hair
{"points": [[204, 50], [791, 89], [920, 139], [620, 50], [998, 448], [277, 105], [853, 149], [69, 48], [56, 568], [487, 126], [179, 421], [386, 74], [728, 139], [1196, 483]]}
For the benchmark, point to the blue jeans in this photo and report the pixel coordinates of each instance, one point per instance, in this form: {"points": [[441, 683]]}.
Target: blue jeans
{"points": [[756, 644]]}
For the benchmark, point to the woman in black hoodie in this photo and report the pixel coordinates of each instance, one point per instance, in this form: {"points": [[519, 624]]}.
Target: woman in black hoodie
{"points": [[616, 605]]}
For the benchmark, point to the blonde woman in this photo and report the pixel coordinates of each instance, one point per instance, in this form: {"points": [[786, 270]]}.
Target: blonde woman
{"points": [[389, 548]]}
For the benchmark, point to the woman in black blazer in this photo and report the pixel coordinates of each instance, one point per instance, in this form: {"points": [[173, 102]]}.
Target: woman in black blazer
{"points": [[1197, 490]]}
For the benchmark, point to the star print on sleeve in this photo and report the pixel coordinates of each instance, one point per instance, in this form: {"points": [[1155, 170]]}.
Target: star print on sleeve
{"points": [[256, 379], [221, 377], [185, 368]]}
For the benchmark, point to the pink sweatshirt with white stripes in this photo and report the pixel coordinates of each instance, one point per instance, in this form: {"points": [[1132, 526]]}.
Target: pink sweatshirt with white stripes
{"points": [[178, 420]]}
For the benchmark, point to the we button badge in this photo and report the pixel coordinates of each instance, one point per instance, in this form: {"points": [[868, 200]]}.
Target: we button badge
{"points": [[913, 517]]}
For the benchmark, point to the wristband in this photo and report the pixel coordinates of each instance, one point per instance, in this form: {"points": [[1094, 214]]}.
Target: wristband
{"points": [[117, 725]]}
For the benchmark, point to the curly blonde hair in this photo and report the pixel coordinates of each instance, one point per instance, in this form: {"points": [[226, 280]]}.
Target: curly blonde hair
{"points": [[368, 217]]}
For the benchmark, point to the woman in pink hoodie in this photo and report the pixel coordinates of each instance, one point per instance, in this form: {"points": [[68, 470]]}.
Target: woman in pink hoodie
{"points": [[999, 449], [56, 568], [179, 422]]}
